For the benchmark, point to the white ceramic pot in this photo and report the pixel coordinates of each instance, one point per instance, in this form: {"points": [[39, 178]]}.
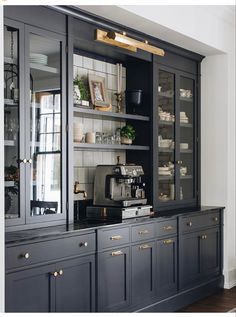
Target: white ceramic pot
{"points": [[125, 140]]}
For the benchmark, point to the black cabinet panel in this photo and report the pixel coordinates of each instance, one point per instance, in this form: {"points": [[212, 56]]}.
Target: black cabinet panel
{"points": [[75, 287], [113, 280], [166, 267], [143, 271], [32, 290]]}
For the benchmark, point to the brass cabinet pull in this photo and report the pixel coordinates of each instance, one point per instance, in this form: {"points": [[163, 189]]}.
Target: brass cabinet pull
{"points": [[168, 241], [215, 218], [143, 232], [203, 237], [179, 162], [189, 224], [116, 237], [83, 244], [116, 253], [55, 274], [60, 272], [166, 228], [29, 161], [144, 247], [25, 255]]}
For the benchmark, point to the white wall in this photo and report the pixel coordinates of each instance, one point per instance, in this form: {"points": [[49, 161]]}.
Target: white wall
{"points": [[1, 169], [208, 30]]}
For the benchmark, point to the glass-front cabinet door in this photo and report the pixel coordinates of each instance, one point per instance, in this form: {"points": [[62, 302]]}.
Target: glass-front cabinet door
{"points": [[46, 168], [14, 158], [175, 139]]}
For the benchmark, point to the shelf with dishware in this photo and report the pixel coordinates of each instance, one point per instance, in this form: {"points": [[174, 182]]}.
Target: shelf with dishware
{"points": [[171, 123], [166, 94], [9, 184], [86, 146], [9, 143], [98, 114], [186, 99], [44, 68], [168, 150], [10, 103], [171, 177]]}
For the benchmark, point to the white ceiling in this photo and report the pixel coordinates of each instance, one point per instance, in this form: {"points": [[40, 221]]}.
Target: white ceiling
{"points": [[122, 15]]}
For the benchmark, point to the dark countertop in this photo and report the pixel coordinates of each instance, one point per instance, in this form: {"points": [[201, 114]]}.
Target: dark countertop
{"points": [[90, 226]]}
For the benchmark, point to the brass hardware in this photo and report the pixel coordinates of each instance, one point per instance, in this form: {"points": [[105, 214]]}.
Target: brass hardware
{"points": [[189, 224], [146, 42], [126, 42], [116, 237], [143, 232], [60, 272], [22, 161], [25, 255], [104, 212], [215, 218], [166, 228], [29, 161], [203, 237], [179, 162], [78, 191], [55, 274], [83, 244], [124, 33], [168, 241], [144, 247], [116, 253]]}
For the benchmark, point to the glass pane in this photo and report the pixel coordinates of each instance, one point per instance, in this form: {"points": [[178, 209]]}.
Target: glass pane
{"points": [[45, 134], [186, 138], [166, 137], [11, 123]]}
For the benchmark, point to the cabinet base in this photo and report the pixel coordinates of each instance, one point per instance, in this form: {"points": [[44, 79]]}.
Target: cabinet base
{"points": [[185, 298]]}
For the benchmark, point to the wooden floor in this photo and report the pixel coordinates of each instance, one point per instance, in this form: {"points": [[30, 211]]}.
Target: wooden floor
{"points": [[221, 302]]}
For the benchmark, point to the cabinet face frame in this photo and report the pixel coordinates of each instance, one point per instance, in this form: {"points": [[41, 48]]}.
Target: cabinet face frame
{"points": [[21, 219], [171, 204]]}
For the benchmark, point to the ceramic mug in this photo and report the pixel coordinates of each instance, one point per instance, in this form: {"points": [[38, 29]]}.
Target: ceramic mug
{"points": [[90, 137]]}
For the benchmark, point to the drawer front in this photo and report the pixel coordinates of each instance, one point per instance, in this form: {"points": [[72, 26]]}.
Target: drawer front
{"points": [[113, 237], [195, 222], [165, 228], [38, 252], [143, 232]]}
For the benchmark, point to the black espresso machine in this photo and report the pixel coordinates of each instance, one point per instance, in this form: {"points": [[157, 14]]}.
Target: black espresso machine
{"points": [[119, 193]]}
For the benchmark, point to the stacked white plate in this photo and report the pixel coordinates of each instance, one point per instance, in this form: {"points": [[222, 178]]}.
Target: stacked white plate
{"points": [[183, 117], [38, 58]]}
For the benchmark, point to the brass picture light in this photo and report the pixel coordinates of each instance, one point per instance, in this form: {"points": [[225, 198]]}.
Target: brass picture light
{"points": [[128, 43]]}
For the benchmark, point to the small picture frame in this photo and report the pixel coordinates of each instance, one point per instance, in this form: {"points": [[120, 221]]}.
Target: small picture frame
{"points": [[98, 92]]}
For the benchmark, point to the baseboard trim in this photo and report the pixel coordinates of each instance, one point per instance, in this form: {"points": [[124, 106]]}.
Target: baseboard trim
{"points": [[230, 285], [185, 298]]}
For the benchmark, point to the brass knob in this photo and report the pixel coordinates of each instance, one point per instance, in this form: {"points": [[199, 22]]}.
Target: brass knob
{"points": [[168, 241], [116, 237], [29, 161], [83, 244], [179, 162], [22, 161], [215, 218], [55, 274], [203, 237], [60, 272], [189, 224], [26, 255], [116, 253], [143, 232]]}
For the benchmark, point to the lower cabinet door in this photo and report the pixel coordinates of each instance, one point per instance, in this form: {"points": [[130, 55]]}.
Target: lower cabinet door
{"points": [[75, 285], [143, 262], [210, 252], [113, 280], [31, 290], [166, 267]]}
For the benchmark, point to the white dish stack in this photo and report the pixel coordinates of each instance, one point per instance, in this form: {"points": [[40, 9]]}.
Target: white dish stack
{"points": [[183, 117], [38, 59]]}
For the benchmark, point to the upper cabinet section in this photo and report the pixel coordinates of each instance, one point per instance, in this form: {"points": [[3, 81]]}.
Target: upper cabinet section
{"points": [[35, 125]]}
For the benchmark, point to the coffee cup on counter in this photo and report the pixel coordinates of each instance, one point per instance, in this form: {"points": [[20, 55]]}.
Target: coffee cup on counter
{"points": [[90, 137]]}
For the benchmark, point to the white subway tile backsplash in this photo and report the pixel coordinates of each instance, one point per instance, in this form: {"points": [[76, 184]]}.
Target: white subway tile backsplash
{"points": [[111, 82], [82, 175], [106, 157], [91, 175], [98, 158], [78, 60], [88, 62], [82, 72], [99, 66], [88, 125], [88, 158], [78, 158], [106, 126], [97, 125]]}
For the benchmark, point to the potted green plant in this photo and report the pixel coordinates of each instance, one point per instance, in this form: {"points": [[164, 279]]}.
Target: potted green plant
{"points": [[81, 91], [127, 134]]}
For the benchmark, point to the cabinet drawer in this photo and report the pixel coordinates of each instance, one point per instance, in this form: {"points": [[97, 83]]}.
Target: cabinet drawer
{"points": [[113, 237], [168, 227], [143, 232], [38, 252], [190, 223]]}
